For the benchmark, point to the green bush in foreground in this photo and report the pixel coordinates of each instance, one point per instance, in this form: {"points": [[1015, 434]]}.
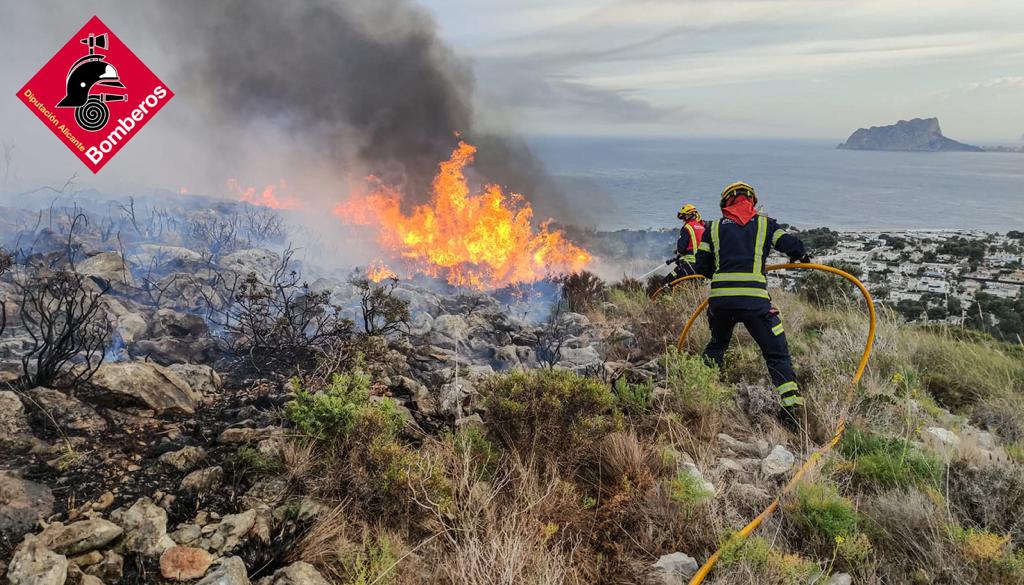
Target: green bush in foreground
{"points": [[555, 413], [756, 557], [822, 511], [694, 384], [888, 462], [345, 405]]}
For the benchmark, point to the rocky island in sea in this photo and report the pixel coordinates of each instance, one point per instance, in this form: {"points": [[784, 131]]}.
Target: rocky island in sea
{"points": [[919, 134]]}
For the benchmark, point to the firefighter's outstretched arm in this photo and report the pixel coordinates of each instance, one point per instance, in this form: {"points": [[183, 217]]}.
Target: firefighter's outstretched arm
{"points": [[786, 243], [705, 256]]}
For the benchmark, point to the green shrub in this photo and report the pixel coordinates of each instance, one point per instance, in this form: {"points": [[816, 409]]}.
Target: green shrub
{"points": [[343, 408], [960, 373], [478, 448], [687, 490], [694, 384], [756, 557], [552, 413], [633, 398], [888, 462], [820, 509]]}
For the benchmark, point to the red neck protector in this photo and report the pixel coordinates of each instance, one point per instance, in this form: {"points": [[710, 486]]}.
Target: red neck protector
{"points": [[741, 210]]}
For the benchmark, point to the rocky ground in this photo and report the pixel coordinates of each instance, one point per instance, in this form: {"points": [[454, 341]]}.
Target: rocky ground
{"points": [[520, 436]]}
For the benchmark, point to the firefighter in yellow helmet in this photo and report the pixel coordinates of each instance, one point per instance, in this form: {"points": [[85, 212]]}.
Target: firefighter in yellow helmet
{"points": [[733, 254], [686, 247]]}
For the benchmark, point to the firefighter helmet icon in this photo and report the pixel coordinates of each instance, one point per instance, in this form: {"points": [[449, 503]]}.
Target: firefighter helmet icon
{"points": [[91, 71]]}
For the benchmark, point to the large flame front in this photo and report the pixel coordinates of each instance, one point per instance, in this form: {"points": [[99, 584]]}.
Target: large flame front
{"points": [[481, 241]]}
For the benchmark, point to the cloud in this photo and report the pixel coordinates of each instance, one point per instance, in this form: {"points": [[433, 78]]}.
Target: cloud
{"points": [[1011, 82]]}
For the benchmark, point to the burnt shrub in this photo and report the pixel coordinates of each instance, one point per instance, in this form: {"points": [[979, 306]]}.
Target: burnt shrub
{"points": [[278, 325], [382, 312], [582, 291], [63, 315]]}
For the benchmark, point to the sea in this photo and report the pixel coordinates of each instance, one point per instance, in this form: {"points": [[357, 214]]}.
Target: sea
{"points": [[640, 183]]}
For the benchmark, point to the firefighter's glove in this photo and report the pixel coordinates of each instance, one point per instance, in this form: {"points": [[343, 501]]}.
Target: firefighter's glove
{"points": [[672, 260], [806, 259]]}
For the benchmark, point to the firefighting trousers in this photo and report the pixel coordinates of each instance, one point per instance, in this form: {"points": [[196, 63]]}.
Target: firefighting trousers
{"points": [[766, 328]]}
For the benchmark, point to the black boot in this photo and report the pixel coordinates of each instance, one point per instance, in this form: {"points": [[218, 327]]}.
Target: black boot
{"points": [[792, 417]]}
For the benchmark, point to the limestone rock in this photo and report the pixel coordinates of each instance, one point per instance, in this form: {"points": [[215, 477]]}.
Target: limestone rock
{"points": [[110, 569], [109, 266], [184, 564], [151, 385], [840, 579], [252, 261], [229, 533], [34, 564], [184, 459], [171, 323], [675, 569], [22, 504], [131, 327], [79, 537], [203, 480], [230, 571], [779, 461], [68, 412], [300, 573], [145, 528], [757, 448], [12, 415], [202, 379]]}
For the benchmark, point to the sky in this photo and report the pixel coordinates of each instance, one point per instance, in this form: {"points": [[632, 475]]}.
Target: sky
{"points": [[743, 68]]}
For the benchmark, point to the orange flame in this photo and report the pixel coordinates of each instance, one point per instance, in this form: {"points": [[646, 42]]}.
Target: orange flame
{"points": [[379, 271], [271, 196], [482, 241]]}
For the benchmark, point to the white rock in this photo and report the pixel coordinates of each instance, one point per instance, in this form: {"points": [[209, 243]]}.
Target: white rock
{"points": [[79, 537], [145, 528], [675, 569], [34, 564], [779, 461], [183, 459], [840, 579], [230, 571], [300, 573], [941, 436]]}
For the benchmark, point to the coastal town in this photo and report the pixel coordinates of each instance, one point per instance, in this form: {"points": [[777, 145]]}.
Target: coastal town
{"points": [[958, 277]]}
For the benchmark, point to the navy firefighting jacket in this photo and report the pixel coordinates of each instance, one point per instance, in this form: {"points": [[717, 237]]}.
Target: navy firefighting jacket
{"points": [[733, 257]]}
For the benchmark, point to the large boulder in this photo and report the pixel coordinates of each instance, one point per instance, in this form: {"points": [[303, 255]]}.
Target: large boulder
{"points": [[79, 537], [66, 411], [252, 261], [157, 257], [202, 379], [148, 384], [22, 504], [109, 266], [173, 350], [171, 323], [34, 564]]}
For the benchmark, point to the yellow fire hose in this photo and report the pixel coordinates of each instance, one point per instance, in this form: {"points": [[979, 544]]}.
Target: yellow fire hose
{"points": [[701, 574]]}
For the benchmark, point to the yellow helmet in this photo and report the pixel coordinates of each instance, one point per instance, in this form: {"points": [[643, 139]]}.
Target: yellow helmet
{"points": [[738, 188], [688, 210]]}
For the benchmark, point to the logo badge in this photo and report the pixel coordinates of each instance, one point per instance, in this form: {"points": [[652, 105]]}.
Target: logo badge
{"points": [[95, 94]]}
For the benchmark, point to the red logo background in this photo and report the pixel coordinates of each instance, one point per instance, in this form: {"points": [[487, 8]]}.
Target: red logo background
{"points": [[48, 86]]}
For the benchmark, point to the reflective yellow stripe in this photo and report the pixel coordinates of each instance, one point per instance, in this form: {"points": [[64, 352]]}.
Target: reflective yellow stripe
{"points": [[689, 258], [778, 234], [786, 388], [715, 241], [738, 277], [739, 292], [762, 233], [777, 330], [792, 400], [693, 236], [704, 247]]}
